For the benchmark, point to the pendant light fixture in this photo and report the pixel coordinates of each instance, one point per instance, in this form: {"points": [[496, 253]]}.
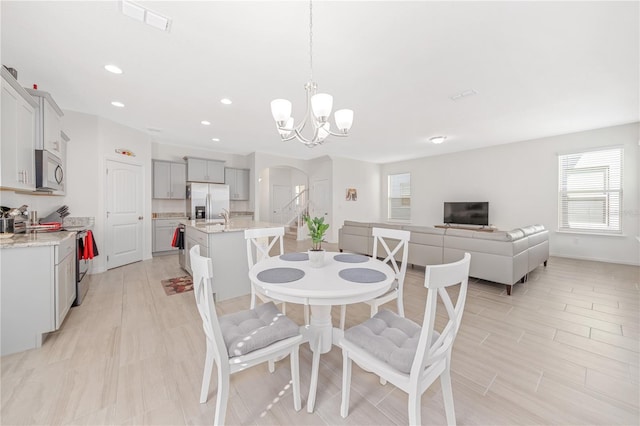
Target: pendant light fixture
{"points": [[319, 107]]}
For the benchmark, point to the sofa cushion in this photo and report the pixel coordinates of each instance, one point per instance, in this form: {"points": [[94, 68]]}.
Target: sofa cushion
{"points": [[528, 230], [357, 230], [477, 245], [389, 337], [538, 228], [426, 239], [459, 232], [352, 223], [386, 225], [516, 234], [538, 238], [423, 230], [253, 329]]}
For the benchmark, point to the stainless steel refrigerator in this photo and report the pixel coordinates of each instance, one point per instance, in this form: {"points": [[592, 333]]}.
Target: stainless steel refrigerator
{"points": [[206, 201]]}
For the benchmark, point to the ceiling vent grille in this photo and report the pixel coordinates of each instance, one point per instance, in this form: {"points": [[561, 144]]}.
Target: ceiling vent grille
{"points": [[145, 15]]}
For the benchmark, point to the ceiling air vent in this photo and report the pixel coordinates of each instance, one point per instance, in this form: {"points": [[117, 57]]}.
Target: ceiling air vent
{"points": [[145, 15]]}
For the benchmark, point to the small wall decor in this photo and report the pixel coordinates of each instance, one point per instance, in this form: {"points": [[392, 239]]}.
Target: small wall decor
{"points": [[125, 152], [352, 194]]}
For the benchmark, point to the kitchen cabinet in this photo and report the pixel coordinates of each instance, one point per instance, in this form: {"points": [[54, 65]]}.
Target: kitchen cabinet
{"points": [[238, 181], [65, 279], [18, 117], [204, 170], [193, 237], [48, 119], [228, 253], [163, 230], [35, 300], [169, 180]]}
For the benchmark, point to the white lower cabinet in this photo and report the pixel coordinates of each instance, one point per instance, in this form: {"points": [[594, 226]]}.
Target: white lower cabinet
{"points": [[65, 280], [38, 288]]}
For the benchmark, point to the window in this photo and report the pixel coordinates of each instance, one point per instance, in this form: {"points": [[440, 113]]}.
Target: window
{"points": [[590, 191], [399, 196]]}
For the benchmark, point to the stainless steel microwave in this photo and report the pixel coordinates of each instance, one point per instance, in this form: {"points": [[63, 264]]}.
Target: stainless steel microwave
{"points": [[49, 171]]}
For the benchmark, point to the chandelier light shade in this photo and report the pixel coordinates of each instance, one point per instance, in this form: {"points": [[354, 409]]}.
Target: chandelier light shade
{"points": [[319, 106]]}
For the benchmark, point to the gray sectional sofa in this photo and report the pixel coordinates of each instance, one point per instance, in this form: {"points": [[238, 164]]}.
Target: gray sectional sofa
{"points": [[502, 257]]}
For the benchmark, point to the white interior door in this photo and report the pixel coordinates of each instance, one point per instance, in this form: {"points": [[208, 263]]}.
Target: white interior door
{"points": [[280, 196], [124, 214]]}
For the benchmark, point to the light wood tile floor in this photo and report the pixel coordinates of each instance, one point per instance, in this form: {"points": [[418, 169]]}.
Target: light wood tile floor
{"points": [[563, 349]]}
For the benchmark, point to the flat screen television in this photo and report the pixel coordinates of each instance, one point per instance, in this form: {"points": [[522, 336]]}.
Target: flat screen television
{"points": [[466, 213]]}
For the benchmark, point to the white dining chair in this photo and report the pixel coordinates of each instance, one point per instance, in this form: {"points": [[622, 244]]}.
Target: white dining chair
{"points": [[242, 339], [256, 239], [405, 354], [381, 238]]}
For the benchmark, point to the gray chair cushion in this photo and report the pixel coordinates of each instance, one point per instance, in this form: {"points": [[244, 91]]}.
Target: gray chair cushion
{"points": [[253, 329], [389, 337]]}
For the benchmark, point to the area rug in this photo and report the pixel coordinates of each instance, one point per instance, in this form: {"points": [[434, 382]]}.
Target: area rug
{"points": [[177, 285]]}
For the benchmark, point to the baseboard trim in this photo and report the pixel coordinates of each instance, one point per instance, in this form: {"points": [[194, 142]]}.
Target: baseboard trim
{"points": [[595, 259]]}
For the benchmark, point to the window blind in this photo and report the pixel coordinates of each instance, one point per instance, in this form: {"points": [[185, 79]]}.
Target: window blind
{"points": [[590, 191], [399, 203]]}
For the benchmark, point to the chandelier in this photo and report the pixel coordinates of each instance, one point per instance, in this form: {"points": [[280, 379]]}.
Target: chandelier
{"points": [[318, 110]]}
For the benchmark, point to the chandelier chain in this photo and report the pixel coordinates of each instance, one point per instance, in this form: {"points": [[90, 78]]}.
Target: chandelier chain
{"points": [[311, 40]]}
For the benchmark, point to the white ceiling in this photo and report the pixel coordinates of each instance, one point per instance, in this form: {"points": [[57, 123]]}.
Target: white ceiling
{"points": [[539, 69]]}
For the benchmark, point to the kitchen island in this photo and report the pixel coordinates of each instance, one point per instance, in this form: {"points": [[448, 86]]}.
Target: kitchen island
{"points": [[226, 246]]}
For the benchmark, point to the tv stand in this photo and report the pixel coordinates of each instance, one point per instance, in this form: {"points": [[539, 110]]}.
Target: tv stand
{"points": [[466, 227]]}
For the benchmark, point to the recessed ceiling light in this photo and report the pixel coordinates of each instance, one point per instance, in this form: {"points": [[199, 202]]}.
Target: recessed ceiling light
{"points": [[437, 139], [117, 104], [226, 101], [112, 68], [205, 122], [215, 139]]}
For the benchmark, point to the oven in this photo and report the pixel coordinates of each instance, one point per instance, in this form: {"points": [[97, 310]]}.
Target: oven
{"points": [[181, 244], [82, 266]]}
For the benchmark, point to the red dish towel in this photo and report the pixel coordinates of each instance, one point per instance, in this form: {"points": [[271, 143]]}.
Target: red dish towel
{"points": [[90, 247], [174, 240]]}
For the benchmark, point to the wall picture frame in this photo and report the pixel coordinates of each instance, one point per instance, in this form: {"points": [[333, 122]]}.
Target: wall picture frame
{"points": [[352, 194]]}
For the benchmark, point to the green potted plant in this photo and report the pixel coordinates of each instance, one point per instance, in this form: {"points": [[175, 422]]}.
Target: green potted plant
{"points": [[317, 230]]}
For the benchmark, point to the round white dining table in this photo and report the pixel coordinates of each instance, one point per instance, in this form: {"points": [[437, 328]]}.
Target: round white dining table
{"points": [[342, 279]]}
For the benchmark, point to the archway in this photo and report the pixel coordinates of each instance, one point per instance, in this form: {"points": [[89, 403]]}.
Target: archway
{"points": [[283, 193]]}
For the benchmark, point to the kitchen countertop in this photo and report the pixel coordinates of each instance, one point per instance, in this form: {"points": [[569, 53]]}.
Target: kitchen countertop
{"points": [[155, 216], [36, 239], [234, 225]]}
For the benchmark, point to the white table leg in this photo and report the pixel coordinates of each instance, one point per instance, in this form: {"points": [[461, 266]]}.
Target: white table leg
{"points": [[320, 335], [320, 325]]}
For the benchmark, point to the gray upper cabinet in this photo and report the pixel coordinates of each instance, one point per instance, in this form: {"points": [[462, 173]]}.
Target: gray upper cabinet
{"points": [[238, 181], [18, 135], [204, 170], [169, 180], [48, 118]]}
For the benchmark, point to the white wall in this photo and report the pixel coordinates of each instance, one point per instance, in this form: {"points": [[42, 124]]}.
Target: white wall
{"points": [[363, 176], [520, 182], [93, 142]]}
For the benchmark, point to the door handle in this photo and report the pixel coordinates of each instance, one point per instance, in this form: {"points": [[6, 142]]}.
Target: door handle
{"points": [[140, 217]]}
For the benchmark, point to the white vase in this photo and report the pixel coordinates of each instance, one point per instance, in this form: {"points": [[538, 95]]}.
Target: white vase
{"points": [[316, 258]]}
